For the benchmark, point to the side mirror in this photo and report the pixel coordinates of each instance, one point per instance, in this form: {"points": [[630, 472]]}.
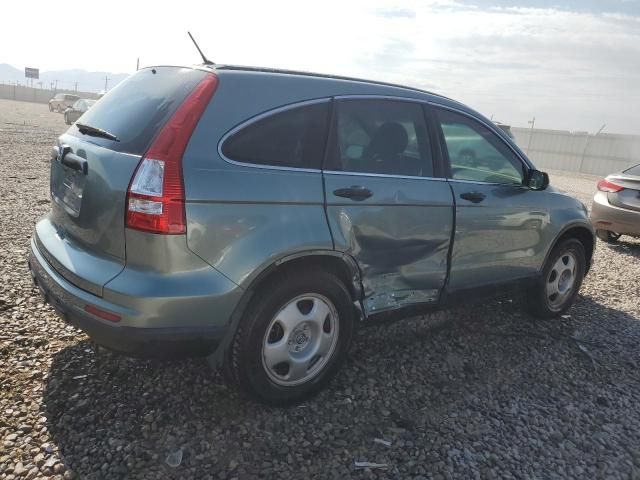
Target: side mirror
{"points": [[537, 180]]}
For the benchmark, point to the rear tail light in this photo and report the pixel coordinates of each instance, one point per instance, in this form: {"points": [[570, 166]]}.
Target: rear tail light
{"points": [[155, 200], [605, 185]]}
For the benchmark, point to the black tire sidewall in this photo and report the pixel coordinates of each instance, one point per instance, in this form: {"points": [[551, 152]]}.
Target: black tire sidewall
{"points": [[565, 246], [249, 369]]}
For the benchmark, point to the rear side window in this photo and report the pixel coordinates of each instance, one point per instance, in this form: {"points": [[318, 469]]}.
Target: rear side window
{"points": [[137, 108], [635, 170], [381, 136], [290, 138]]}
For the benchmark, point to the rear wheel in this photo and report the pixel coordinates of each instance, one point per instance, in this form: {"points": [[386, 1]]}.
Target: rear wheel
{"points": [[293, 338], [561, 280], [607, 236]]}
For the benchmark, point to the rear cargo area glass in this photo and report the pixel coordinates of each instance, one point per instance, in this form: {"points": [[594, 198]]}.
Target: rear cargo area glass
{"points": [[136, 109]]}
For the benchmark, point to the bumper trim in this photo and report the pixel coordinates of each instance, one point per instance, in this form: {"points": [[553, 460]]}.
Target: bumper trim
{"points": [[149, 342], [607, 216]]}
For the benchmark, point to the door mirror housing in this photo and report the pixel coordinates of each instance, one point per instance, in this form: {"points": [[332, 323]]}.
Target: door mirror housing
{"points": [[537, 180]]}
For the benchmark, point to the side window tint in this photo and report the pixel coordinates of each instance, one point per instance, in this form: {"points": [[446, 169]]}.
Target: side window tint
{"points": [[291, 138], [381, 136], [635, 170], [476, 153]]}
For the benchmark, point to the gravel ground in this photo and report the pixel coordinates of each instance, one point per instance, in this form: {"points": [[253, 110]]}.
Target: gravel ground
{"points": [[488, 394]]}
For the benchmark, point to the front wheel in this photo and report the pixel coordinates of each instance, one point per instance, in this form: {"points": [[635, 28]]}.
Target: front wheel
{"points": [[294, 337], [561, 280], [607, 236]]}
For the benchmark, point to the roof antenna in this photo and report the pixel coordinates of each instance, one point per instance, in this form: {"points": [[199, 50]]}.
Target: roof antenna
{"points": [[205, 60]]}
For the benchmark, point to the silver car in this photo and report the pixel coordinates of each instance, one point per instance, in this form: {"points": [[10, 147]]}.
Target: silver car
{"points": [[61, 101], [616, 205], [79, 108], [260, 216]]}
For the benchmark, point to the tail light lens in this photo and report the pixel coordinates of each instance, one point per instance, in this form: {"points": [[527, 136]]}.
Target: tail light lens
{"points": [[155, 200], [605, 185]]}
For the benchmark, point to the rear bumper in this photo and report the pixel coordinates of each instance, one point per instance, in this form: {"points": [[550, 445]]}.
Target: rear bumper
{"points": [[605, 216], [122, 336]]}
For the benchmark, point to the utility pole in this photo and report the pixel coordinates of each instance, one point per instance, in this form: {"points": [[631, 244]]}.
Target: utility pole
{"points": [[106, 80], [76, 86], [531, 122], [138, 64], [56, 85], [586, 145]]}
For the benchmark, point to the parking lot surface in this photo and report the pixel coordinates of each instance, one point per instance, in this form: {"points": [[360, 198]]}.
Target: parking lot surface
{"points": [[489, 393]]}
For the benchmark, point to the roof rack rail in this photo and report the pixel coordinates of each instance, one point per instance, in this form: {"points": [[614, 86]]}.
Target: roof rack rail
{"points": [[322, 75]]}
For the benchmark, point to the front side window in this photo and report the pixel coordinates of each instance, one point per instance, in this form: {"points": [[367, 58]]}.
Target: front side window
{"points": [[290, 138], [381, 136], [476, 153]]}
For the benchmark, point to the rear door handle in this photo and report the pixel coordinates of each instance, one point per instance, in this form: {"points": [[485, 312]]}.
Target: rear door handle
{"points": [[75, 162], [65, 157], [473, 197], [355, 192]]}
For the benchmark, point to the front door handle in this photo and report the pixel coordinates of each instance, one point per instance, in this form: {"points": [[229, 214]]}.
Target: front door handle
{"points": [[355, 192], [473, 197]]}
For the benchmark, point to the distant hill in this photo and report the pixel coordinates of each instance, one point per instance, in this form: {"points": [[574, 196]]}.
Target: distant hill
{"points": [[87, 81]]}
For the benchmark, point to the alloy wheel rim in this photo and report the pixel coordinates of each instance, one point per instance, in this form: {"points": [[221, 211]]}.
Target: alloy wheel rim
{"points": [[561, 280], [300, 339]]}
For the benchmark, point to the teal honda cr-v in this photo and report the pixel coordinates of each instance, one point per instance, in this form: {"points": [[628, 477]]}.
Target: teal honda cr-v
{"points": [[259, 215]]}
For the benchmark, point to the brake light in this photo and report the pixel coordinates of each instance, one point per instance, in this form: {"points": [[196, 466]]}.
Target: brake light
{"points": [[605, 185], [155, 199]]}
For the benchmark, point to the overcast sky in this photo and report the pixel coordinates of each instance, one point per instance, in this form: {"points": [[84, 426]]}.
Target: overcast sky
{"points": [[573, 64]]}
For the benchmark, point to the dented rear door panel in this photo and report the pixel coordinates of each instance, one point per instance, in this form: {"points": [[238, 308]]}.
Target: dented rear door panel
{"points": [[399, 236]]}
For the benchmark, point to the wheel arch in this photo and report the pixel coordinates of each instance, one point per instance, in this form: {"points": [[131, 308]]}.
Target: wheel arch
{"points": [[580, 231], [340, 264]]}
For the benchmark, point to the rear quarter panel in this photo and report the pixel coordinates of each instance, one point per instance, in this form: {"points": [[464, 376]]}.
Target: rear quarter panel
{"points": [[240, 218]]}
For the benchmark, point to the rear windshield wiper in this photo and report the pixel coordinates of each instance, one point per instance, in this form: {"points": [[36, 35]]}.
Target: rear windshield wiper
{"points": [[96, 132]]}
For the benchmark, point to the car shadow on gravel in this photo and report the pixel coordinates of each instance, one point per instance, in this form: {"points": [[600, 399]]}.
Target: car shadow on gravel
{"points": [[626, 247], [113, 417]]}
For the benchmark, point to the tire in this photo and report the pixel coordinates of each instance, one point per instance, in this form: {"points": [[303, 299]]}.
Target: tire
{"points": [[307, 320], [557, 290], [607, 236]]}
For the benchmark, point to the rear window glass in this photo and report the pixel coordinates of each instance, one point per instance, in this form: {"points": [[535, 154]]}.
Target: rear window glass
{"points": [[291, 138], [139, 106], [635, 170]]}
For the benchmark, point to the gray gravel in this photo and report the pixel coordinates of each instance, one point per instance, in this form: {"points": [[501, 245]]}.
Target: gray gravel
{"points": [[488, 394]]}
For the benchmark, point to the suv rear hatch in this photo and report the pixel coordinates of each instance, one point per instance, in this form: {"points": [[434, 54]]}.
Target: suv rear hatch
{"points": [[83, 237]]}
